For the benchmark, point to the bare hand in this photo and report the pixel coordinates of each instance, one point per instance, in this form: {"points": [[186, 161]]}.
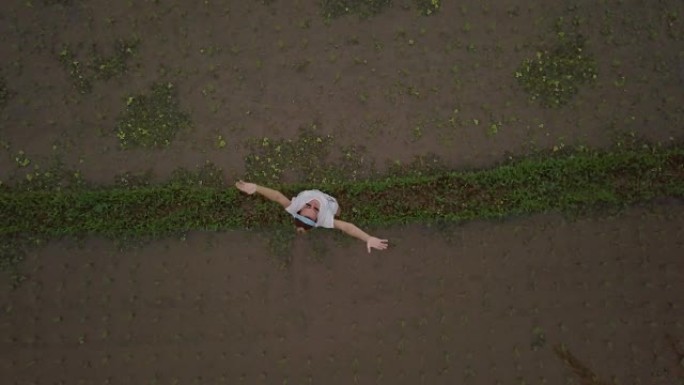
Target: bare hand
{"points": [[380, 244], [246, 187]]}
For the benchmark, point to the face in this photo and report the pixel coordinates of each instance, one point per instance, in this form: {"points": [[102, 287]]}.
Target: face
{"points": [[310, 210]]}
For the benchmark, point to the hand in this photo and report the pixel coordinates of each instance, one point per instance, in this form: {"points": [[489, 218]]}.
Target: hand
{"points": [[246, 187], [380, 244]]}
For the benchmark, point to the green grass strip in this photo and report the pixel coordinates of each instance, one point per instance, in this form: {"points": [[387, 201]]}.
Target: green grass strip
{"points": [[567, 183]]}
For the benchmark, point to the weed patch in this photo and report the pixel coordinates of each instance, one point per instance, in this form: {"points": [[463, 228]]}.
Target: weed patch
{"points": [[208, 175], [306, 158], [332, 9], [555, 74], [106, 67], [270, 158], [51, 178], [97, 65], [428, 7], [151, 120]]}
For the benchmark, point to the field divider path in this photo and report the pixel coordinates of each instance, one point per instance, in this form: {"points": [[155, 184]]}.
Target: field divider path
{"points": [[570, 182]]}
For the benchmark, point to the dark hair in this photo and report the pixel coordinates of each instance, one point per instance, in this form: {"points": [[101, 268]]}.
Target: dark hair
{"points": [[301, 225]]}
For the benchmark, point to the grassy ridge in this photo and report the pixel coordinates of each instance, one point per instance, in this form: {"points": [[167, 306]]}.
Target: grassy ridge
{"points": [[568, 182]]}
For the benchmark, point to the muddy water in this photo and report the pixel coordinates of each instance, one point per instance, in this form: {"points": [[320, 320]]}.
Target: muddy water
{"points": [[476, 303]]}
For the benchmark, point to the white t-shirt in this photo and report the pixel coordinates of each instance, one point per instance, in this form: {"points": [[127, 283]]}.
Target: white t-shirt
{"points": [[326, 211]]}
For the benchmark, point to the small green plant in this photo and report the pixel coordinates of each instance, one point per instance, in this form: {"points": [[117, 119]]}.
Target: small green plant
{"points": [[4, 92], [21, 159], [58, 2], [76, 70], [106, 67], [363, 97], [220, 142], [538, 338], [428, 7], [417, 133], [493, 128], [151, 120], [301, 66], [332, 9], [555, 74]]}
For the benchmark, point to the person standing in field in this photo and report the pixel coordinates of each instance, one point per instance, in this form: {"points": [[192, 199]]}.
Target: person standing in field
{"points": [[313, 208]]}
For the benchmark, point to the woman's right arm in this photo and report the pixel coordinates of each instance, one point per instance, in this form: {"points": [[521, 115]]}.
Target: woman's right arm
{"points": [[351, 229], [274, 195]]}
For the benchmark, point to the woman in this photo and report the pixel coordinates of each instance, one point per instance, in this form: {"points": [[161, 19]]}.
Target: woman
{"points": [[313, 208]]}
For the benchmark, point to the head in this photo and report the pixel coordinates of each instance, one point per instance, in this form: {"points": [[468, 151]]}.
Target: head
{"points": [[310, 211]]}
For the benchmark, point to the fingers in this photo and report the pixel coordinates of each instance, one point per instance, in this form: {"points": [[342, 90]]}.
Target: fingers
{"points": [[380, 244]]}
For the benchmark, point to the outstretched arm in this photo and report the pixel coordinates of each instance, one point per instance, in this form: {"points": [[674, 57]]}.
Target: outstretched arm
{"points": [[351, 229], [274, 195]]}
